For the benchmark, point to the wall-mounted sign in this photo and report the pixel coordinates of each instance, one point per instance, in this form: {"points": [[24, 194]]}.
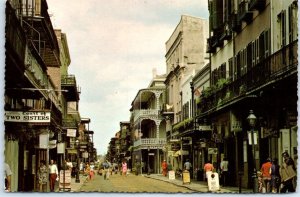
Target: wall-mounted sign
{"points": [[27, 116], [212, 151], [204, 128], [71, 132]]}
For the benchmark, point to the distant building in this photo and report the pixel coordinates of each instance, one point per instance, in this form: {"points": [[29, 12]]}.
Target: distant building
{"points": [[185, 55]]}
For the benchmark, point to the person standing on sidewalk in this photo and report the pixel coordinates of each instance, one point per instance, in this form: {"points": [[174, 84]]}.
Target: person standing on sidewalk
{"points": [[188, 166], [265, 170], [208, 168], [288, 173], [53, 174], [42, 176], [164, 167], [224, 171], [275, 176]]}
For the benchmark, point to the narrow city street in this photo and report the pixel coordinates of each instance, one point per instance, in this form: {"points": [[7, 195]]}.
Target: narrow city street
{"points": [[130, 183]]}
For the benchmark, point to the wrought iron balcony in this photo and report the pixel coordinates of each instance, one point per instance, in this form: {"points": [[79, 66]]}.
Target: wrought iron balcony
{"points": [[68, 82], [257, 4], [243, 12], [145, 113], [153, 143], [69, 123], [14, 35], [278, 66], [209, 45]]}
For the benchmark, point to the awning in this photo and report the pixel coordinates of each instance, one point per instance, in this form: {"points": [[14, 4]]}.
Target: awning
{"points": [[72, 151]]}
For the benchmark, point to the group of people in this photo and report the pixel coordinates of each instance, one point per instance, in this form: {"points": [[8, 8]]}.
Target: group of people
{"points": [[107, 169], [277, 179]]}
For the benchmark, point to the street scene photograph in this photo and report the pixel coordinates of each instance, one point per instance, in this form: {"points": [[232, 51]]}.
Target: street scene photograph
{"points": [[150, 97]]}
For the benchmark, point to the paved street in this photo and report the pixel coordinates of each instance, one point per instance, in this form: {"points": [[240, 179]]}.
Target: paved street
{"points": [[153, 183], [130, 183]]}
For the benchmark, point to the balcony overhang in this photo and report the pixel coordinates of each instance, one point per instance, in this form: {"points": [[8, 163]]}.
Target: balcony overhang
{"points": [[68, 83], [257, 4]]}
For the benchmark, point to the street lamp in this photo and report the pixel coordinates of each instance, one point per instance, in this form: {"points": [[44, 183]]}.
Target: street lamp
{"points": [[77, 167], [252, 120], [148, 171]]}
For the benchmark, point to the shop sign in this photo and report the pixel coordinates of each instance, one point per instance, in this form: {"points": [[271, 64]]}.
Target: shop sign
{"points": [[236, 126], [71, 132], [212, 151], [205, 128], [61, 148], [27, 116]]}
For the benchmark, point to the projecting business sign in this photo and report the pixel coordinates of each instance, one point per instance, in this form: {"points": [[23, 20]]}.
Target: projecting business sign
{"points": [[27, 116]]}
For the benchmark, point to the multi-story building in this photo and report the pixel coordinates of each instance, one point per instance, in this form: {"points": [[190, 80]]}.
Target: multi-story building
{"points": [[185, 55], [253, 58], [149, 126], [125, 143], [32, 103], [37, 91]]}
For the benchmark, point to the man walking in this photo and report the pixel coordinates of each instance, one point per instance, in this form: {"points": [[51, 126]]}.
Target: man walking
{"points": [[287, 173], [188, 166], [53, 174]]}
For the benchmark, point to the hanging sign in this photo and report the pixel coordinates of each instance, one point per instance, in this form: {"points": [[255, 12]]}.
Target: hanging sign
{"points": [[71, 132], [27, 116]]}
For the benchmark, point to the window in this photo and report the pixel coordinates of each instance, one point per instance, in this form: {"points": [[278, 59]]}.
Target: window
{"points": [[231, 69], [249, 56]]}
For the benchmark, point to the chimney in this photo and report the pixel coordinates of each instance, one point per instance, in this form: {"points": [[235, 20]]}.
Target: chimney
{"points": [[154, 72]]}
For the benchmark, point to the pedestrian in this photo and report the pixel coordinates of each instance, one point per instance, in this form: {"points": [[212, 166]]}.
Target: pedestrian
{"points": [[187, 166], [106, 170], [124, 168], [69, 165], [164, 167], [42, 176], [53, 174], [92, 171], [81, 166], [266, 176], [208, 168], [287, 173], [275, 176], [224, 171], [88, 171], [8, 174]]}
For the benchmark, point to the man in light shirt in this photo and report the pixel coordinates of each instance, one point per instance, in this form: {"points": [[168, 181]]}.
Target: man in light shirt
{"points": [[224, 171], [53, 174]]}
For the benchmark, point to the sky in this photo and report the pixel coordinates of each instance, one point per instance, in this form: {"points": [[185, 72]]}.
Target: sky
{"points": [[114, 46]]}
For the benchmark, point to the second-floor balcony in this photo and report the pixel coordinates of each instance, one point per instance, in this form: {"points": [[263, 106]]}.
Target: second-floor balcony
{"points": [[69, 123], [244, 14], [276, 67], [257, 4], [145, 113], [152, 143], [68, 82]]}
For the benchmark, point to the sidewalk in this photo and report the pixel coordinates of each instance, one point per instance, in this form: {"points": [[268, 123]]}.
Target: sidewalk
{"points": [[199, 186], [75, 187]]}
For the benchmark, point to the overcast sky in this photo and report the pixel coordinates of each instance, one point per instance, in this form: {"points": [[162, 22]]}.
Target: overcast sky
{"points": [[114, 46]]}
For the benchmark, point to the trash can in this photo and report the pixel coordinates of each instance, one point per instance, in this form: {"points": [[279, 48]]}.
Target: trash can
{"points": [[200, 175]]}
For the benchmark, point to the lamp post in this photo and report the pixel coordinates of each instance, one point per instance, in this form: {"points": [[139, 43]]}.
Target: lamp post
{"points": [[148, 171], [252, 120], [77, 167]]}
